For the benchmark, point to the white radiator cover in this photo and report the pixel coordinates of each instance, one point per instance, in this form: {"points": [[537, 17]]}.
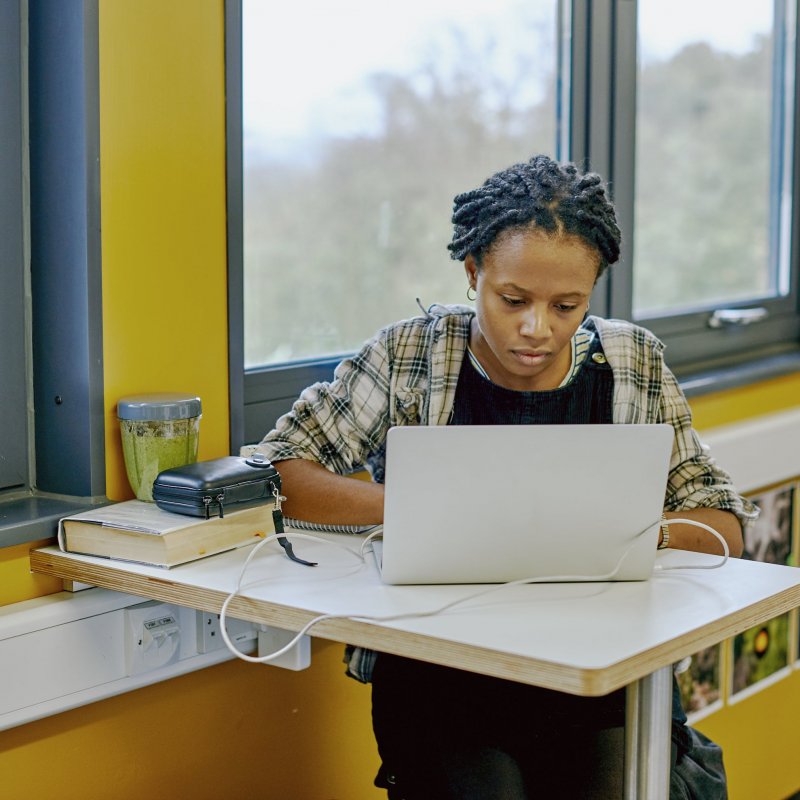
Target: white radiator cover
{"points": [[758, 452], [68, 649]]}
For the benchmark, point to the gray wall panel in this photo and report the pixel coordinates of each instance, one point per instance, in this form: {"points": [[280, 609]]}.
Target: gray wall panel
{"points": [[65, 247], [13, 423]]}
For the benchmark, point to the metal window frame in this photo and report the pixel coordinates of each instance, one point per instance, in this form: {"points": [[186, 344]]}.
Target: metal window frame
{"points": [[234, 165]]}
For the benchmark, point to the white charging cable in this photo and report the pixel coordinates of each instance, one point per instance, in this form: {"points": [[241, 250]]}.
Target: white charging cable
{"points": [[439, 609], [716, 565], [286, 648]]}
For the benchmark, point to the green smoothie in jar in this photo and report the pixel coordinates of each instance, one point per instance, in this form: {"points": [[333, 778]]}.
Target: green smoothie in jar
{"points": [[159, 431]]}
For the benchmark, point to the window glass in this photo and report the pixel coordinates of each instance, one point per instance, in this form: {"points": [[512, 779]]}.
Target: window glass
{"points": [[358, 132], [711, 160]]}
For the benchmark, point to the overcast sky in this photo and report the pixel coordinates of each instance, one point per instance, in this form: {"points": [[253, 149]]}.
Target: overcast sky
{"points": [[305, 61]]}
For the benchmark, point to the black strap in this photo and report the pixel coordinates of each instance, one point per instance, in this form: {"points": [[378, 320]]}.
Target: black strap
{"points": [[277, 518]]}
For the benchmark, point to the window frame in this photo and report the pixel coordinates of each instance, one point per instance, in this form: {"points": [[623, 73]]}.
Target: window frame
{"points": [[262, 394], [697, 351], [597, 50], [58, 273]]}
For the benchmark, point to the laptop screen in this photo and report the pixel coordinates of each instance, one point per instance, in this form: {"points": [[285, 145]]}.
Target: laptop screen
{"points": [[496, 503]]}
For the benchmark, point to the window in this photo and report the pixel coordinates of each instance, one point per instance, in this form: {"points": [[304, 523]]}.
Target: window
{"points": [[703, 187], [714, 168], [358, 132], [353, 147]]}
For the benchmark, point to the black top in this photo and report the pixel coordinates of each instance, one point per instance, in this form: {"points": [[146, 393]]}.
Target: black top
{"points": [[586, 399]]}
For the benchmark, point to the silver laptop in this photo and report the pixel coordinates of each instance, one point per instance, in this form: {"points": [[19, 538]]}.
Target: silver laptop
{"points": [[498, 503]]}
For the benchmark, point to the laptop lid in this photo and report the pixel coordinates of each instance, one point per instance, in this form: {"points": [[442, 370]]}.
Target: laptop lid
{"points": [[497, 503]]}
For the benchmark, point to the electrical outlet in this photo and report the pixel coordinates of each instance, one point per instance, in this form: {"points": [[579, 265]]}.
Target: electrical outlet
{"points": [[152, 636], [271, 639], [209, 636]]}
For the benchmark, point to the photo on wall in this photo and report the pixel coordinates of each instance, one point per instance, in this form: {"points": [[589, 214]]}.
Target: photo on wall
{"points": [[763, 651], [771, 537], [759, 654], [699, 680]]}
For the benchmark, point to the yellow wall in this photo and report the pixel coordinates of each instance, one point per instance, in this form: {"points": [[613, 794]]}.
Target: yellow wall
{"points": [[231, 732], [767, 397], [758, 736], [235, 730], [162, 145], [17, 582]]}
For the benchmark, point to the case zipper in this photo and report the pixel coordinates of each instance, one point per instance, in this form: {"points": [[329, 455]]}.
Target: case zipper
{"points": [[208, 500]]}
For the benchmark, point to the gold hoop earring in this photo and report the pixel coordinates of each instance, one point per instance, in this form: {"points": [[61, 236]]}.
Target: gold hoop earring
{"points": [[474, 293]]}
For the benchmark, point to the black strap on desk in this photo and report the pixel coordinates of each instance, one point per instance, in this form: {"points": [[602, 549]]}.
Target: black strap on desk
{"points": [[277, 518]]}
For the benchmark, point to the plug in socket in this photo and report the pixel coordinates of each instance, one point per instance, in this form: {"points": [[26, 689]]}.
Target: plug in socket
{"points": [[270, 640], [209, 635]]}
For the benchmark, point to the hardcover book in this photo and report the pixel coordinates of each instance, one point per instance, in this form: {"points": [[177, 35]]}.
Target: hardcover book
{"points": [[137, 531]]}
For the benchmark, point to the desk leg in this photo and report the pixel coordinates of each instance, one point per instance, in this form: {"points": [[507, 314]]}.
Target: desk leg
{"points": [[648, 728]]}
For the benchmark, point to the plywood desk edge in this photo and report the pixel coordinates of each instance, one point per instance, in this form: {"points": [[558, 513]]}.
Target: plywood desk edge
{"points": [[562, 677]]}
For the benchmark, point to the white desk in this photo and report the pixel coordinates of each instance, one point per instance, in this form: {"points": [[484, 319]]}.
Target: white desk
{"points": [[585, 639]]}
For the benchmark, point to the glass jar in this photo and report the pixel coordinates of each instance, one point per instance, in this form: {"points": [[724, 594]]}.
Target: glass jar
{"points": [[159, 431]]}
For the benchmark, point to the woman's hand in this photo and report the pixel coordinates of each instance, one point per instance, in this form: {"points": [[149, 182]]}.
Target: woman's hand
{"points": [[315, 494], [689, 537]]}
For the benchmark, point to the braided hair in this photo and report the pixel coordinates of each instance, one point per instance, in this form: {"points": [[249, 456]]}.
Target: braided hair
{"points": [[554, 197]]}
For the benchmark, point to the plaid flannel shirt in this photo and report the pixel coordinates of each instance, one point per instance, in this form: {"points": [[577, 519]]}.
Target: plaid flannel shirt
{"points": [[407, 375]]}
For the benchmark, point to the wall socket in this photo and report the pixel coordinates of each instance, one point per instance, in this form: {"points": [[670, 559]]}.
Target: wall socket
{"points": [[209, 636], [271, 639], [152, 636]]}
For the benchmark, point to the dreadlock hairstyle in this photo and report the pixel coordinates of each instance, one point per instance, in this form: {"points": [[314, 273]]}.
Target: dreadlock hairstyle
{"points": [[554, 197]]}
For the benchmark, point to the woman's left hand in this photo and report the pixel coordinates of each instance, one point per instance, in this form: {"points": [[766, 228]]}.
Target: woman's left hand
{"points": [[689, 537]]}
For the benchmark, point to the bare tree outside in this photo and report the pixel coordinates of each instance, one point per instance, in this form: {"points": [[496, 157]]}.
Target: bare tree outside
{"points": [[341, 238]]}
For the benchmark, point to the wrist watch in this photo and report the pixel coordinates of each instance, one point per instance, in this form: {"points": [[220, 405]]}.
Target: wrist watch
{"points": [[664, 543]]}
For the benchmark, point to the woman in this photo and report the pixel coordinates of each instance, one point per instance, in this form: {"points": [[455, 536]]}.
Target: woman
{"points": [[534, 239]]}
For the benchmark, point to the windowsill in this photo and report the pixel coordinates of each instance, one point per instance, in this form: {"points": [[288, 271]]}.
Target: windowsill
{"points": [[29, 518], [733, 376]]}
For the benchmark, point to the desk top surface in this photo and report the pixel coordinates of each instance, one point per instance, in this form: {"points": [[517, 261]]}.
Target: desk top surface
{"points": [[583, 638]]}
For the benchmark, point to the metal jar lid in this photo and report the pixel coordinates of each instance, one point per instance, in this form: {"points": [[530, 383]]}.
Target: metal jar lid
{"points": [[159, 406]]}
